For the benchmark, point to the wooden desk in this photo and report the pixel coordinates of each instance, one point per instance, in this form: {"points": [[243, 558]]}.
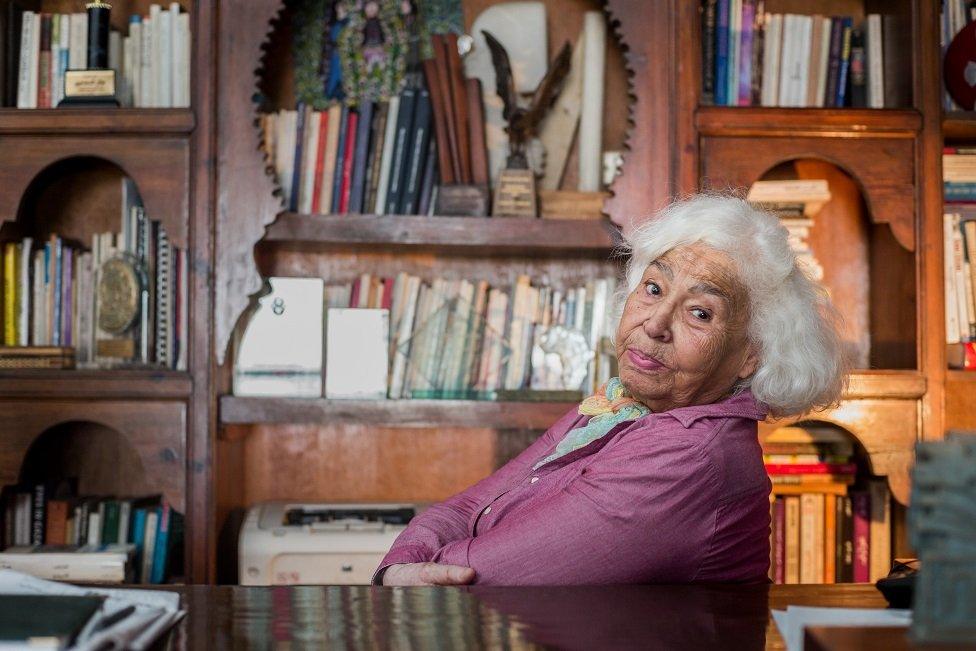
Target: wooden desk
{"points": [[675, 617]]}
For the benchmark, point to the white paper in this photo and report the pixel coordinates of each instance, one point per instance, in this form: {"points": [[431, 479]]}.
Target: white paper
{"points": [[155, 610], [357, 353], [792, 621]]}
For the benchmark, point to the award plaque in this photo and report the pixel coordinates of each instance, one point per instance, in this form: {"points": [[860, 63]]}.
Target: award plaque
{"points": [[95, 85], [120, 297]]}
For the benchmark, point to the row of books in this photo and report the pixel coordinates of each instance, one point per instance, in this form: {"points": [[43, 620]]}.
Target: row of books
{"points": [[828, 538], [960, 265], [152, 62], [375, 158], [959, 174], [754, 58], [51, 297], [819, 532], [955, 15], [51, 533], [458, 338]]}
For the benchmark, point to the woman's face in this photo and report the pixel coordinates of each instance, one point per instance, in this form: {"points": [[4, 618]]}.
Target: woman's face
{"points": [[682, 339]]}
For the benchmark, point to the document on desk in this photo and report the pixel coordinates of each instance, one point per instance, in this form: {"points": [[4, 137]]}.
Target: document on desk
{"points": [[794, 619], [128, 619]]}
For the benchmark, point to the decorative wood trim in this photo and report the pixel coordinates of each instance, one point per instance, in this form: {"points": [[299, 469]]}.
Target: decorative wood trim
{"points": [[95, 384], [445, 234], [246, 201], [150, 122], [393, 413], [795, 122], [895, 385]]}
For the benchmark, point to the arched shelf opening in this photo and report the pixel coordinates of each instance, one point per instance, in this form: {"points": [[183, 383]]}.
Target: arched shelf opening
{"points": [[862, 262], [101, 458], [80, 196]]}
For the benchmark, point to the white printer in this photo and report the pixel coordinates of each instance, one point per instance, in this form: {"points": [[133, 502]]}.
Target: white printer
{"points": [[285, 543]]}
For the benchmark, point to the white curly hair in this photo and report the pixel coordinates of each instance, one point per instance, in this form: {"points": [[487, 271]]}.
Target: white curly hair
{"points": [[803, 363]]}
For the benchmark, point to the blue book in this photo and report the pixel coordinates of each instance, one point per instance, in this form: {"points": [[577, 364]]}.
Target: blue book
{"points": [[722, 54], [56, 280], [845, 62], [162, 544], [137, 534], [296, 173], [340, 158], [358, 182]]}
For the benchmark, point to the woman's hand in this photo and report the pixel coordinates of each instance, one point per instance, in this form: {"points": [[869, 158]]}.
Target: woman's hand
{"points": [[427, 574]]}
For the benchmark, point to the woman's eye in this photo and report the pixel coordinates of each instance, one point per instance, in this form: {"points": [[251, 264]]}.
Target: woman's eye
{"points": [[652, 288], [700, 314]]}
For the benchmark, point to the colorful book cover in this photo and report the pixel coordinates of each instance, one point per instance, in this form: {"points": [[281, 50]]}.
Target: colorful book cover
{"points": [[320, 161], [162, 544], [861, 507], [811, 468], [10, 267], [833, 65]]}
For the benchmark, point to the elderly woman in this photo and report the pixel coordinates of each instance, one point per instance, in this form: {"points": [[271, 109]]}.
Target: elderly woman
{"points": [[658, 478]]}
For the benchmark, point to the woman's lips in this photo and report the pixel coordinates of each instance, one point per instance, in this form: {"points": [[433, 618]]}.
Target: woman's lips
{"points": [[642, 361]]}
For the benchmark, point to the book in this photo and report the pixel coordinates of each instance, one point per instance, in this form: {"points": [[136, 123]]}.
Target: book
{"points": [[843, 69], [340, 160], [386, 158], [744, 90], [348, 159], [45, 620], [94, 563], [709, 11], [861, 509], [858, 71], [880, 529], [829, 573], [476, 131], [375, 155], [845, 540], [792, 574], [416, 155], [402, 142], [149, 545], [360, 162], [325, 180], [780, 550], [162, 544], [722, 53], [296, 169], [811, 468], [833, 71]]}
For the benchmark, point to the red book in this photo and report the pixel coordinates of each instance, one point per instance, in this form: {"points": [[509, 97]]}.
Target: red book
{"points": [[44, 82], [354, 294], [387, 294], [320, 161], [811, 468], [779, 554], [861, 504], [347, 161]]}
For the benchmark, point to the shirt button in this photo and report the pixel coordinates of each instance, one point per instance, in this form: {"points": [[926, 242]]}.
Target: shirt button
{"points": [[487, 511], [533, 480]]}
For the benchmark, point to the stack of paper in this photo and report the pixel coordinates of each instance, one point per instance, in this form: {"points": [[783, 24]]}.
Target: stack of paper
{"points": [[128, 619], [792, 621]]}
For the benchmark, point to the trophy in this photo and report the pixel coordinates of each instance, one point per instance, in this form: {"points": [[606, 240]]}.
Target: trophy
{"points": [[515, 194], [94, 86]]}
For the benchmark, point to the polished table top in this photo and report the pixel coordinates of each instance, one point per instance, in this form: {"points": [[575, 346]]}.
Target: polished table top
{"points": [[586, 617]]}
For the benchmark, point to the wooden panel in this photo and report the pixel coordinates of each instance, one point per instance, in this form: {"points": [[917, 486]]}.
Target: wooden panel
{"points": [[831, 122], [362, 463], [390, 413], [888, 430], [106, 384], [883, 168], [153, 430], [594, 237], [960, 401], [245, 193], [81, 182], [96, 121]]}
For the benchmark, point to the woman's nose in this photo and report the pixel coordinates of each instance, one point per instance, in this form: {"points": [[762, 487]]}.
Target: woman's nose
{"points": [[657, 325]]}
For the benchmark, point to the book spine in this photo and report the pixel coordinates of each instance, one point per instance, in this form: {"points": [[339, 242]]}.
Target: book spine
{"points": [[429, 177], [861, 505], [830, 539], [340, 160], [345, 187], [417, 154], [476, 130], [357, 188], [10, 294], [38, 517], [378, 132], [162, 544], [296, 179], [758, 44], [432, 75], [780, 550], [27, 37], [858, 72], [845, 63], [792, 539], [808, 539], [833, 71], [709, 11], [386, 159], [744, 95], [811, 468], [875, 63], [722, 53], [401, 147], [44, 84]]}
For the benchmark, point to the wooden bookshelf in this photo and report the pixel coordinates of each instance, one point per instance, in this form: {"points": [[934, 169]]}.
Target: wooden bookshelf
{"points": [[959, 126], [392, 413], [796, 122], [486, 236], [152, 122], [101, 384]]}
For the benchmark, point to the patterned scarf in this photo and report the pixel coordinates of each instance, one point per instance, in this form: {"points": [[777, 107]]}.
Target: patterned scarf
{"points": [[608, 407]]}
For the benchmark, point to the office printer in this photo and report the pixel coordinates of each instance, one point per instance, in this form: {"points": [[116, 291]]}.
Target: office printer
{"points": [[287, 543]]}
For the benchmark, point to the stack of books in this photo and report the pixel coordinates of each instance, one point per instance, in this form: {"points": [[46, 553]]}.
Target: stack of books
{"points": [[50, 532], [960, 302], [959, 174], [795, 202], [152, 62], [49, 293], [754, 58], [466, 340], [375, 158], [821, 531]]}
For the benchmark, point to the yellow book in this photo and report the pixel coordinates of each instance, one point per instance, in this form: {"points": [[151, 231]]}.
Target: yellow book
{"points": [[10, 294]]}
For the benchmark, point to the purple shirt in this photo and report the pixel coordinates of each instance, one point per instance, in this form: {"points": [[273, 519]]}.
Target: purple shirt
{"points": [[676, 497]]}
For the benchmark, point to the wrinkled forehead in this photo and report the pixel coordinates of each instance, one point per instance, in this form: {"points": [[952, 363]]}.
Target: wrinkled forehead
{"points": [[699, 264]]}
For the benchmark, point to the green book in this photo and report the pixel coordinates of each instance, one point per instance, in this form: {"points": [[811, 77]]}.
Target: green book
{"points": [[110, 522], [45, 621]]}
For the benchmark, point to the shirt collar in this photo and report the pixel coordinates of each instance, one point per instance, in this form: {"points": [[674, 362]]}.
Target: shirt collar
{"points": [[742, 405]]}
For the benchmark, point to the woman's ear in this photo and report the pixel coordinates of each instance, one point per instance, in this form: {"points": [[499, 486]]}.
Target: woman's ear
{"points": [[750, 363]]}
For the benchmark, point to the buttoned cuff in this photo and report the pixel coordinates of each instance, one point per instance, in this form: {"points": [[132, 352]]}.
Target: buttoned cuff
{"points": [[405, 554]]}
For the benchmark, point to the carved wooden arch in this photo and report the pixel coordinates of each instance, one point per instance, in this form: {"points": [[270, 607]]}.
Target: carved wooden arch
{"points": [[881, 167], [246, 201], [127, 154], [162, 456]]}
